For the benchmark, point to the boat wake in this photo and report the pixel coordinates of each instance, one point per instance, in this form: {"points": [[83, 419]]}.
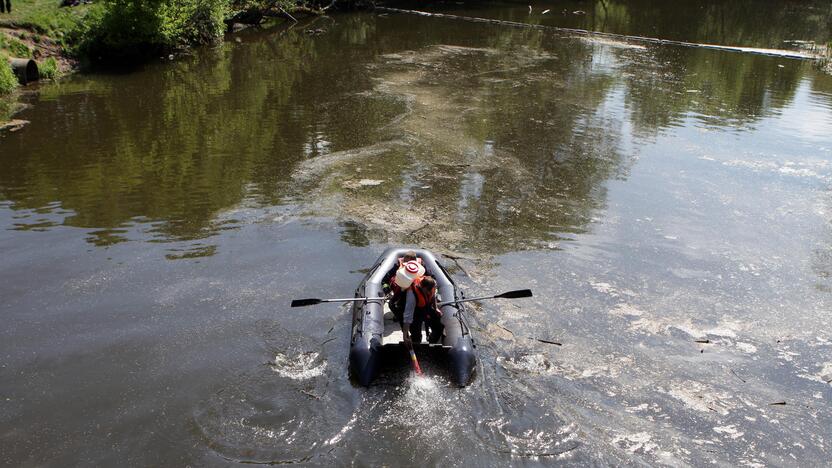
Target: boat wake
{"points": [[303, 408], [423, 407]]}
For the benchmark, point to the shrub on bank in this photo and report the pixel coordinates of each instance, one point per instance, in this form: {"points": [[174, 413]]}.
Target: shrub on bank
{"points": [[131, 29], [8, 82], [48, 68]]}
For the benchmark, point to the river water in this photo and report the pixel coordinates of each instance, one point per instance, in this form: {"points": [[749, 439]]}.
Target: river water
{"points": [[670, 207]]}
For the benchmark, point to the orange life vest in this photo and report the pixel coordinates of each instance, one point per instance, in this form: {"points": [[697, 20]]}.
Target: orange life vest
{"points": [[423, 298]]}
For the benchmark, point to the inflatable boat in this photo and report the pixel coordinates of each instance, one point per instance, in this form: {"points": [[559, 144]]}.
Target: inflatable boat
{"points": [[374, 328]]}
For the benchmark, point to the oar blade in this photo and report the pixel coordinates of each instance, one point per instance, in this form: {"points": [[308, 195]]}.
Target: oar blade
{"points": [[305, 302], [515, 294]]}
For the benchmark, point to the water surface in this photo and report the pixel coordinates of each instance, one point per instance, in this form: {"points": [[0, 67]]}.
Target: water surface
{"points": [[670, 207]]}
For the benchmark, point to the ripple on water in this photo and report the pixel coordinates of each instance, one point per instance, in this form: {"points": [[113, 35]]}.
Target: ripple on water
{"points": [[302, 366], [534, 442], [285, 412], [533, 363], [258, 422]]}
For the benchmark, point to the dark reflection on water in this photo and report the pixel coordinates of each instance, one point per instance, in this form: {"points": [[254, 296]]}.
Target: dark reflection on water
{"points": [[175, 143], [749, 23]]}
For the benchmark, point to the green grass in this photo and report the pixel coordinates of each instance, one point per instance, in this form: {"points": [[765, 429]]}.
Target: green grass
{"points": [[8, 82], [44, 16], [48, 68], [13, 47]]}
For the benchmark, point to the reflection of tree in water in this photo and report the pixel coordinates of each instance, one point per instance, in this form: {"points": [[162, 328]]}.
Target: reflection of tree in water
{"points": [[173, 145], [666, 84], [506, 145], [545, 120], [508, 142], [749, 23]]}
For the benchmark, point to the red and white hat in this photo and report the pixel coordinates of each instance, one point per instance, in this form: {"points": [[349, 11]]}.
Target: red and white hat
{"points": [[409, 272]]}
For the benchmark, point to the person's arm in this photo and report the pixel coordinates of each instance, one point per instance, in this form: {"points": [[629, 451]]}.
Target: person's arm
{"points": [[407, 317], [386, 283]]}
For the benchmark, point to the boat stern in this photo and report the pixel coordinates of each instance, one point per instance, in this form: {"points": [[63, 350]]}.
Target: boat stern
{"points": [[462, 360]]}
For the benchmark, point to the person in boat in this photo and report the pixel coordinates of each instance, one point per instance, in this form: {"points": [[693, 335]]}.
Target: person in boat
{"points": [[425, 310], [400, 283], [401, 286], [416, 304], [388, 284], [392, 288]]}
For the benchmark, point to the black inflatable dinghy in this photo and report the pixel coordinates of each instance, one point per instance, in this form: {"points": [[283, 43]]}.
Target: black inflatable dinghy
{"points": [[369, 334]]}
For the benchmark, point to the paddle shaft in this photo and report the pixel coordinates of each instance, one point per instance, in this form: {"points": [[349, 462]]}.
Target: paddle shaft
{"points": [[444, 303], [517, 294], [313, 301], [355, 299], [506, 295]]}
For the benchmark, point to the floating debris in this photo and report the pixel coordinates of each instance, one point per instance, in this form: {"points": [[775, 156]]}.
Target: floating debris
{"points": [[638, 442], [737, 375], [549, 342], [13, 125], [730, 431], [355, 184]]}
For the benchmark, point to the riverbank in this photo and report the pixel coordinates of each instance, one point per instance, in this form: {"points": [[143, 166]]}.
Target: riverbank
{"points": [[39, 30], [62, 38]]}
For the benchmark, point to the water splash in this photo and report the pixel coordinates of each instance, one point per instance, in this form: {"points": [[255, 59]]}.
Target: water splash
{"points": [[531, 363], [300, 367], [422, 384], [424, 407]]}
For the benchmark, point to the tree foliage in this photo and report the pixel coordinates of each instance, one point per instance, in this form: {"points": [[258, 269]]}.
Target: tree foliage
{"points": [[126, 29]]}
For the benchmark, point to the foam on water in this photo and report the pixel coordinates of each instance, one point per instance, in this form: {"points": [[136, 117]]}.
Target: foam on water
{"points": [[421, 383], [301, 367], [424, 407]]}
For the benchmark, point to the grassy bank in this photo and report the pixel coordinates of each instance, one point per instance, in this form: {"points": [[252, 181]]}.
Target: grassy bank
{"points": [[41, 30], [117, 31], [7, 79], [111, 29]]}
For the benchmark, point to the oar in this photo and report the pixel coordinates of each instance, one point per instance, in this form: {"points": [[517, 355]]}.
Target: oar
{"points": [[506, 295], [309, 302], [415, 362]]}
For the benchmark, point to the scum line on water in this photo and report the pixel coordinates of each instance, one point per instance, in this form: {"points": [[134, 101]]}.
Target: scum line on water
{"points": [[584, 32]]}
